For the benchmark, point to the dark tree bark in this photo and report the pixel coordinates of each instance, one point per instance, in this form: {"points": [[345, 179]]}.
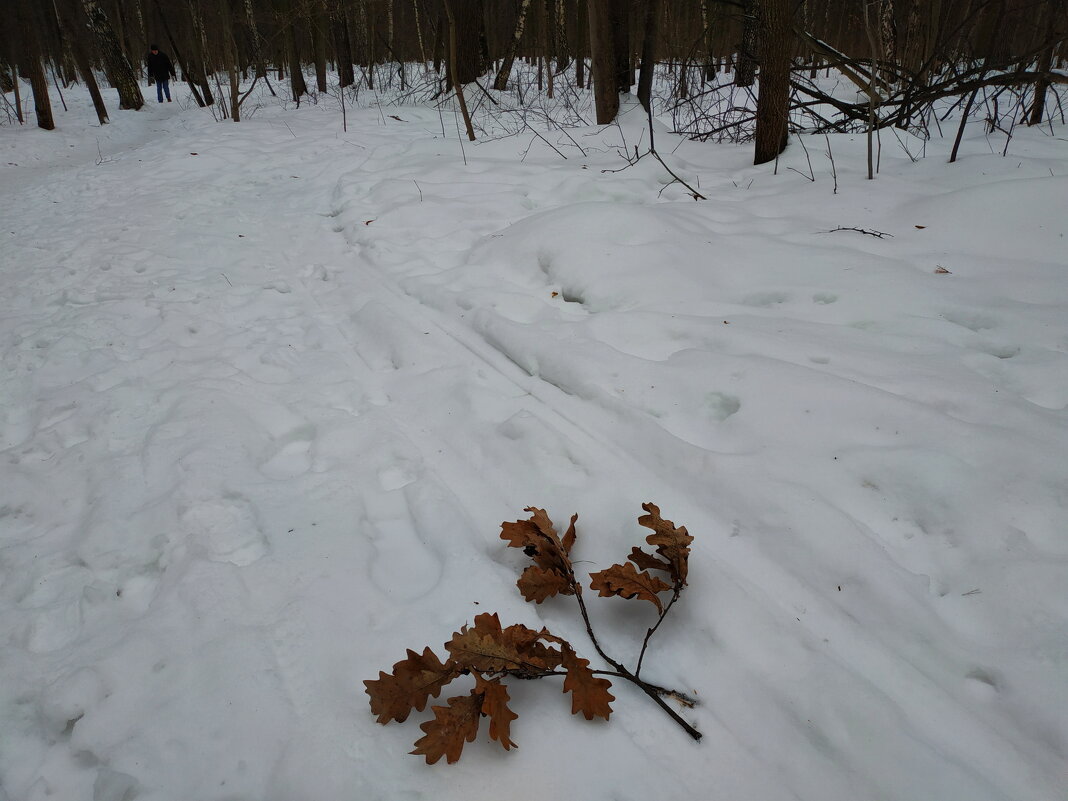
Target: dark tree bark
{"points": [[469, 58], [200, 52], [745, 71], [342, 46], [501, 81], [319, 33], [67, 20], [28, 24], [1045, 64], [773, 101], [116, 65], [255, 43], [603, 51], [581, 39], [296, 75], [453, 72], [186, 68], [620, 13], [650, 38]]}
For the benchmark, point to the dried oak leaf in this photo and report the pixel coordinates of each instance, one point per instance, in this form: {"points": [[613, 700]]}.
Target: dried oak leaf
{"points": [[589, 694], [671, 543], [451, 727], [625, 580], [536, 584], [495, 707], [648, 561], [539, 540], [568, 541], [487, 648], [413, 681]]}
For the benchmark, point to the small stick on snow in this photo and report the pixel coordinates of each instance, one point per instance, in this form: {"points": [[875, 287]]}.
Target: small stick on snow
{"points": [[876, 234]]}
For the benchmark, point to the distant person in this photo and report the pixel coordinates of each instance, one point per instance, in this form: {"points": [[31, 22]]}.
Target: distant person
{"points": [[161, 71]]}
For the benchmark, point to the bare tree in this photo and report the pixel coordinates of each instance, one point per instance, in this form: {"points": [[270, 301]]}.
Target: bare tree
{"points": [[604, 24], [116, 65], [28, 24], [501, 81], [66, 21], [649, 43], [776, 55]]}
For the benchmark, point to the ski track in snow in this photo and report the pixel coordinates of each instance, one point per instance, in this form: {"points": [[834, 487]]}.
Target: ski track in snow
{"points": [[268, 393]]}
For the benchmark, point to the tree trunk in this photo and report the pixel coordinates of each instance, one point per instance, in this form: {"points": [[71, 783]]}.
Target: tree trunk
{"points": [[773, 101], [745, 71], [7, 82], [296, 75], [255, 43], [183, 65], [500, 83], [454, 46], [200, 51], [440, 34], [562, 51], [620, 13], [888, 30], [116, 65], [18, 96], [1053, 27], [581, 39], [318, 29], [602, 49], [33, 64], [468, 60], [229, 55], [417, 23], [645, 77], [66, 22], [342, 47]]}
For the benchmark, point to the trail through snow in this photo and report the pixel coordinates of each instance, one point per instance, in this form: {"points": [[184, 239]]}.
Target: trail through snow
{"points": [[269, 389]]}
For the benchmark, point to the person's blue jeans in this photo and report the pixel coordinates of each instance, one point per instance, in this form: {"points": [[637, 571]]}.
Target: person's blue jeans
{"points": [[163, 85]]}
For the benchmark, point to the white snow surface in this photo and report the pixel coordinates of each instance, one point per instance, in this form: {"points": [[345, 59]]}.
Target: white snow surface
{"points": [[268, 390]]}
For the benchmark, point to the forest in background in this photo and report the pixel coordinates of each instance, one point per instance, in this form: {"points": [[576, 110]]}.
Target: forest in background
{"points": [[901, 55]]}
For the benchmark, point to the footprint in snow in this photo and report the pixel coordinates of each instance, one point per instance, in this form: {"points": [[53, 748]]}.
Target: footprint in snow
{"points": [[227, 529], [403, 566]]}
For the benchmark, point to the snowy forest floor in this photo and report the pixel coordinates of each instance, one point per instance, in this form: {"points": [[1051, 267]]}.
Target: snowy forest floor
{"points": [[269, 389]]}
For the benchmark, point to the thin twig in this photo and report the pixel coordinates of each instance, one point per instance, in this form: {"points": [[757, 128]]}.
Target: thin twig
{"points": [[876, 234]]}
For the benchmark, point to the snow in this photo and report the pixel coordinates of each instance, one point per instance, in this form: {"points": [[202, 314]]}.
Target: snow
{"points": [[269, 389]]}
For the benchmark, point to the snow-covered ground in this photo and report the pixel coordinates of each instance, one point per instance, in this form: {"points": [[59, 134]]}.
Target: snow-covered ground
{"points": [[269, 389]]}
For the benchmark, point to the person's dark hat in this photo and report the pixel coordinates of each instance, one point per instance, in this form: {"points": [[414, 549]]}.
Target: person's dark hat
{"points": [[153, 47]]}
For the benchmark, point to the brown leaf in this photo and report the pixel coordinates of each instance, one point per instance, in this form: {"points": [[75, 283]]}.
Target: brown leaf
{"points": [[624, 580], [540, 519], [495, 707], [537, 584], [569, 536], [487, 648], [519, 534], [539, 540], [589, 694], [413, 682], [451, 727], [671, 543], [647, 561], [942, 270]]}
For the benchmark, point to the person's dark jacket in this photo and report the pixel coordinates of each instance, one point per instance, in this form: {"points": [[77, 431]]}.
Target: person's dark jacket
{"points": [[159, 66]]}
